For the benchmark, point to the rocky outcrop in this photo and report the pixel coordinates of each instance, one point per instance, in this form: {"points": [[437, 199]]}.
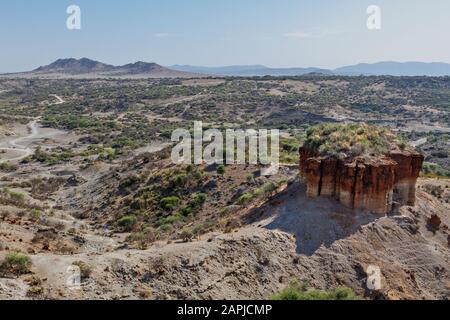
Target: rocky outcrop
{"points": [[375, 184], [407, 171]]}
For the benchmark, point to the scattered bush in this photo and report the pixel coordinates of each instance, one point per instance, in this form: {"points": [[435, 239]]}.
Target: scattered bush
{"points": [[352, 139], [198, 200], [187, 211], [268, 188], [245, 198], [187, 234], [299, 291], [170, 219], [433, 170], [35, 215], [169, 203], [8, 166], [85, 269], [250, 178], [19, 197], [180, 180], [144, 238], [127, 222], [129, 183], [16, 197], [35, 290], [221, 169], [15, 264]]}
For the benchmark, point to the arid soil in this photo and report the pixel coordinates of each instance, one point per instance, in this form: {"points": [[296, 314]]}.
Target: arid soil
{"points": [[289, 237], [63, 205]]}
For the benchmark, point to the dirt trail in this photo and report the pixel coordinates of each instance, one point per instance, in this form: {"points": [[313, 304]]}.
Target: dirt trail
{"points": [[25, 145], [419, 142], [18, 144], [60, 100]]}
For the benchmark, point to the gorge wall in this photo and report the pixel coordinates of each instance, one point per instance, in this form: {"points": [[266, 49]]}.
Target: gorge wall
{"points": [[376, 184]]}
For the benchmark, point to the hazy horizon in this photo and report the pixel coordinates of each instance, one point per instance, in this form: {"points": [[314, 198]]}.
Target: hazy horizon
{"points": [[231, 65], [277, 34]]}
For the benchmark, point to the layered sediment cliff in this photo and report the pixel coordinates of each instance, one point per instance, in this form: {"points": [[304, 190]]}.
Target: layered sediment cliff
{"points": [[369, 183]]}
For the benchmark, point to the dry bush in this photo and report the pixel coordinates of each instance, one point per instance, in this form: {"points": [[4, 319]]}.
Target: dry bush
{"points": [[42, 187], [85, 269], [15, 264]]}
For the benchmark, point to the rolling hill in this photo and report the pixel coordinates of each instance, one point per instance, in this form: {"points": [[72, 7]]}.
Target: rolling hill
{"points": [[397, 69], [374, 69], [249, 70], [87, 68]]}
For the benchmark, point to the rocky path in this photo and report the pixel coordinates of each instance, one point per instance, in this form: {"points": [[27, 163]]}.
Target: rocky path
{"points": [[24, 145], [60, 100], [21, 144]]}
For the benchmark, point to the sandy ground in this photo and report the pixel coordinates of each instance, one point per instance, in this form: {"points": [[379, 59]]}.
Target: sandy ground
{"points": [[419, 142], [329, 243], [26, 140], [58, 98], [152, 147]]}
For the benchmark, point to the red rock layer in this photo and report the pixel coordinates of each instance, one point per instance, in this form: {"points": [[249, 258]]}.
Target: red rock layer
{"points": [[370, 184], [406, 174]]}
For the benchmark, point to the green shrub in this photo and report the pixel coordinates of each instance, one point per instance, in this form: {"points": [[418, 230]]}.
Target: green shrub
{"points": [[144, 237], [130, 182], [187, 234], [15, 264], [35, 214], [17, 196], [245, 198], [221, 169], [186, 211], [166, 227], [127, 222], [8, 166], [290, 145], [199, 175], [433, 170], [299, 291], [198, 200], [250, 178], [170, 219], [169, 203], [351, 139], [85, 269], [180, 180], [107, 154], [268, 187]]}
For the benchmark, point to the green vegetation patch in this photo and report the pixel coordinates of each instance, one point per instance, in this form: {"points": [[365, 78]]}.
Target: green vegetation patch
{"points": [[8, 166], [351, 140], [433, 170], [15, 264], [300, 291]]}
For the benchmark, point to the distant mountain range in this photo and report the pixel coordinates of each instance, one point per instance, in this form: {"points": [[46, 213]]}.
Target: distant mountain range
{"points": [[249, 71], [87, 68], [397, 69], [380, 68]]}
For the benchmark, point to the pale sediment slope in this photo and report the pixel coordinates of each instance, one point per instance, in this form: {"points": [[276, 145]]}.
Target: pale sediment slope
{"points": [[291, 237]]}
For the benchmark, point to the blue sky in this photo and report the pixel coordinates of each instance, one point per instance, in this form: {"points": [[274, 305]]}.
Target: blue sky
{"points": [[277, 33]]}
